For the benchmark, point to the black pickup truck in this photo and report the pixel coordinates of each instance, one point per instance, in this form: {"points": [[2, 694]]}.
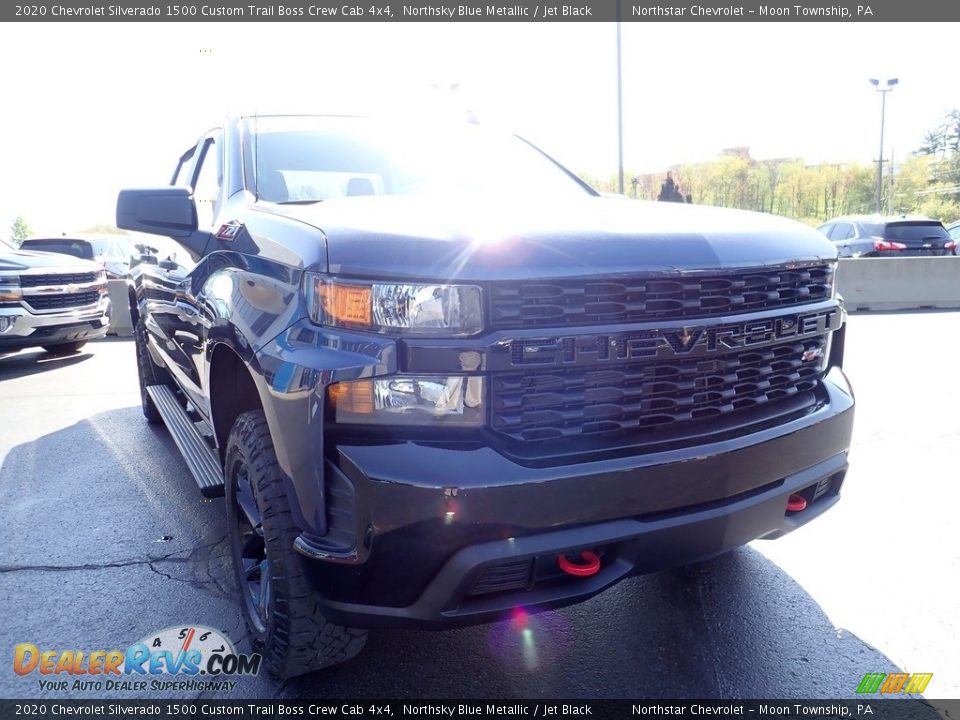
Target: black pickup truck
{"points": [[438, 377]]}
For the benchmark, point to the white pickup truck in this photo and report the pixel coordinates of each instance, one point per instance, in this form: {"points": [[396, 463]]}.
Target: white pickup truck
{"points": [[52, 301]]}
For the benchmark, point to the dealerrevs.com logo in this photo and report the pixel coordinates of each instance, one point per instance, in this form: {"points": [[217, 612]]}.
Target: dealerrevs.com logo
{"points": [[189, 651]]}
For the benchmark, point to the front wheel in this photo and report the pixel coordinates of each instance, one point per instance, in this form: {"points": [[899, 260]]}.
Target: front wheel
{"points": [[149, 373], [281, 611]]}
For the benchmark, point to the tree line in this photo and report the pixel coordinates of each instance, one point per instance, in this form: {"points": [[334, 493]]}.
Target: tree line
{"points": [[926, 183]]}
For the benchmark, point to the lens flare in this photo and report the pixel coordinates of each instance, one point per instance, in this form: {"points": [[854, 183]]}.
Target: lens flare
{"points": [[520, 619], [529, 641], [530, 659]]}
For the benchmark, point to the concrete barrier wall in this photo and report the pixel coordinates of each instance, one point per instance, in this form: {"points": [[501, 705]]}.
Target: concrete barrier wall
{"points": [[900, 283], [120, 321]]}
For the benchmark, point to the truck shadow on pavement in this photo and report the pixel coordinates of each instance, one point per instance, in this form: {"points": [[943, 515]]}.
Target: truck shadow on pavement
{"points": [[106, 508], [736, 627], [30, 362]]}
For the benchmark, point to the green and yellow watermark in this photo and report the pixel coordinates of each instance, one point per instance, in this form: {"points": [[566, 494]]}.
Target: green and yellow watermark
{"points": [[891, 683]]}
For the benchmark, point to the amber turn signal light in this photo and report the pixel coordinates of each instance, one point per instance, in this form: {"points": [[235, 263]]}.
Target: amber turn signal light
{"points": [[348, 304], [352, 397]]}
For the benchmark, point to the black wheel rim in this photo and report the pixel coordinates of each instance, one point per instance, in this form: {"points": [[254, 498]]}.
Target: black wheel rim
{"points": [[250, 551]]}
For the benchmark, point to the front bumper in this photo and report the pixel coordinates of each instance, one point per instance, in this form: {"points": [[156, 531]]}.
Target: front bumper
{"points": [[453, 535], [25, 329]]}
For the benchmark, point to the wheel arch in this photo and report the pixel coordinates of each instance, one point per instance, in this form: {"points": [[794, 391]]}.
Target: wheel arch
{"points": [[232, 391], [238, 382]]}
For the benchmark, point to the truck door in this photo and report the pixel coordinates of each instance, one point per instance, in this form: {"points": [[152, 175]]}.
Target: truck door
{"points": [[181, 318]]}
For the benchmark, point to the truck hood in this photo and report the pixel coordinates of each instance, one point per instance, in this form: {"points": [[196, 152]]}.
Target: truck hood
{"points": [[492, 238], [27, 260]]}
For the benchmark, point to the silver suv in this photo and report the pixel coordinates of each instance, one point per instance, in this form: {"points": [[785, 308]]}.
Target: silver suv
{"points": [[893, 236]]}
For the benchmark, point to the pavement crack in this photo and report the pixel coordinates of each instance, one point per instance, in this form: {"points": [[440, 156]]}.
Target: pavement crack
{"points": [[149, 561], [189, 581], [71, 568]]}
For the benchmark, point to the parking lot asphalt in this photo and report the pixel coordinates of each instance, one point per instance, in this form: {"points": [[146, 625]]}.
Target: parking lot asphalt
{"points": [[104, 538]]}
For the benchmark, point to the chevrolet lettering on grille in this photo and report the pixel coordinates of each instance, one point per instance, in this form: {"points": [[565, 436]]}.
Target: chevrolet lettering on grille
{"points": [[662, 343]]}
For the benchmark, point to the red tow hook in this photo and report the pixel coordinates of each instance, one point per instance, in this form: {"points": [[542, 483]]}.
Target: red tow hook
{"points": [[796, 502], [570, 568]]}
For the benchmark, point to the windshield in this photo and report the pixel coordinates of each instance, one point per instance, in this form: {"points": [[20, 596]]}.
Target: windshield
{"points": [[112, 248], [77, 248], [309, 159], [909, 231]]}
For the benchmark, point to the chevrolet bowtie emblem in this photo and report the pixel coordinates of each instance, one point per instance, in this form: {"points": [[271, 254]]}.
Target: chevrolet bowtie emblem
{"points": [[686, 338]]}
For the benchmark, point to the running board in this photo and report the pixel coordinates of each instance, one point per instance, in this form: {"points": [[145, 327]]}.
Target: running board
{"points": [[202, 461]]}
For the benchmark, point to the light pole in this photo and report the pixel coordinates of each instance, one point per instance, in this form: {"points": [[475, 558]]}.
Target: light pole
{"points": [[883, 107]]}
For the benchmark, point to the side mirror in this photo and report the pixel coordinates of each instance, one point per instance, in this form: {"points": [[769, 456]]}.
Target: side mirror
{"points": [[166, 211], [169, 211]]}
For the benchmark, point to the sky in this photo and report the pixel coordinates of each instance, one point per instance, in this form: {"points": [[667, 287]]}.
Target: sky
{"points": [[91, 108]]}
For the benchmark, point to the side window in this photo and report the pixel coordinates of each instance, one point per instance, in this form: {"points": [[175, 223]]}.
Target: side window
{"points": [[209, 178], [184, 172], [842, 231], [182, 178], [825, 229]]}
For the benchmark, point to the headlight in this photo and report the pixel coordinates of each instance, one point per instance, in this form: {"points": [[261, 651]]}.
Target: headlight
{"points": [[9, 288], [410, 400], [451, 310]]}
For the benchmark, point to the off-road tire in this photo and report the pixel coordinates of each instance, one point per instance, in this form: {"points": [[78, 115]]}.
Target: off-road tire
{"points": [[296, 638], [149, 373], [64, 348]]}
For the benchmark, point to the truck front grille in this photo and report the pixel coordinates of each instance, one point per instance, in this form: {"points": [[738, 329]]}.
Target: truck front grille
{"points": [[63, 301], [556, 303], [31, 281], [151, 292], [651, 397]]}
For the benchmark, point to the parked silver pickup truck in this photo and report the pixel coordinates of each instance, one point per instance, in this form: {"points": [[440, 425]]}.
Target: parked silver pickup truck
{"points": [[52, 301]]}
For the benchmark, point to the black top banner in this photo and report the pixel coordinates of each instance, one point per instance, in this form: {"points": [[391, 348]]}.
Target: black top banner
{"points": [[480, 10], [861, 709]]}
